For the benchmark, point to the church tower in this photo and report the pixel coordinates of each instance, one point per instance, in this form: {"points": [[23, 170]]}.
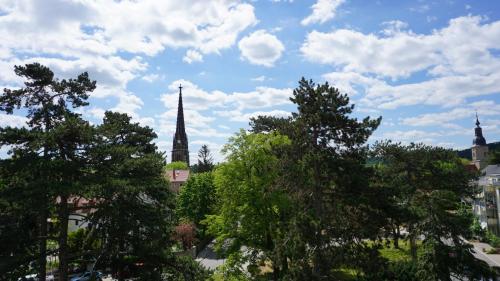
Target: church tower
{"points": [[479, 148], [180, 151]]}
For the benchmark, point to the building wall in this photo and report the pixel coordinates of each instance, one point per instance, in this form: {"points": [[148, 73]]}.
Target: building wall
{"points": [[486, 204], [480, 156]]}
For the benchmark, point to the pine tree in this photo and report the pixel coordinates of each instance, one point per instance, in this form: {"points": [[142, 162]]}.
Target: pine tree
{"points": [[205, 160], [47, 101], [134, 206], [324, 172]]}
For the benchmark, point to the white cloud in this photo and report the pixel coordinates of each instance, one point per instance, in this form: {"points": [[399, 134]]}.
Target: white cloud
{"points": [[393, 27], [193, 97], [150, 77], [322, 11], [411, 136], [484, 108], [421, 8], [444, 91], [104, 27], [198, 99], [437, 119], [261, 78], [403, 53], [192, 56], [238, 116], [260, 98], [75, 36], [348, 81], [9, 120], [455, 69], [261, 48]]}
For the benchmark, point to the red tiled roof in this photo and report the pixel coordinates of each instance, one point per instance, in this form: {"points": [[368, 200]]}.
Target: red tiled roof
{"points": [[180, 175]]}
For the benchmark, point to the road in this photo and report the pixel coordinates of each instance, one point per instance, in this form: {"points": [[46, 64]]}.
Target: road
{"points": [[490, 259], [208, 258]]}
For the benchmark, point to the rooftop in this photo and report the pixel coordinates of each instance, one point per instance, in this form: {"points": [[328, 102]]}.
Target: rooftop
{"points": [[178, 175]]}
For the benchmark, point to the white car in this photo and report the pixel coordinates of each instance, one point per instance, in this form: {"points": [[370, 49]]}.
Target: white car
{"points": [[31, 277]]}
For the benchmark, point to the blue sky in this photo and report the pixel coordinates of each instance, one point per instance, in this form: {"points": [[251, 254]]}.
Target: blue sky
{"points": [[424, 66]]}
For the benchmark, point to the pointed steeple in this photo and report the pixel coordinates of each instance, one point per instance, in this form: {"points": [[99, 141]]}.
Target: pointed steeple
{"points": [[478, 131], [180, 151]]}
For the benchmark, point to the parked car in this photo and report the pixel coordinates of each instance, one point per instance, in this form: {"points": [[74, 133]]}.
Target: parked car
{"points": [[34, 277], [31, 277], [86, 276]]}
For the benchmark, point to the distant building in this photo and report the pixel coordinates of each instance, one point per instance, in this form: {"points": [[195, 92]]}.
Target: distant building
{"points": [[479, 148], [177, 179], [486, 201], [180, 150], [80, 208]]}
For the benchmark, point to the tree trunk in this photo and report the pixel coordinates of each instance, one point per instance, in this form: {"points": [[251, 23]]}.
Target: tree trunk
{"points": [[413, 244], [395, 232], [44, 214], [121, 272], [42, 260], [63, 238], [284, 265]]}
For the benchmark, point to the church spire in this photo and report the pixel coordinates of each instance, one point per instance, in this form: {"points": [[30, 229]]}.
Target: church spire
{"points": [[180, 151], [478, 131]]}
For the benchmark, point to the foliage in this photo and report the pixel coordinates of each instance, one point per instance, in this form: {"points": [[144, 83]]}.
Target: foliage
{"points": [[251, 208], [205, 160], [18, 222], [231, 270], [185, 268], [400, 254], [185, 234], [197, 199], [176, 165], [51, 141], [426, 185], [324, 175], [494, 157], [492, 239], [476, 231], [134, 204]]}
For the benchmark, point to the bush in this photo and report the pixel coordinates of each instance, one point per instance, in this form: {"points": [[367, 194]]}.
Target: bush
{"points": [[186, 269], [476, 230], [178, 165], [185, 234], [493, 251], [492, 239]]}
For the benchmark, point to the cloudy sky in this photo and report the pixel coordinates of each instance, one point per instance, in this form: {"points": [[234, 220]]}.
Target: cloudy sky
{"points": [[425, 66]]}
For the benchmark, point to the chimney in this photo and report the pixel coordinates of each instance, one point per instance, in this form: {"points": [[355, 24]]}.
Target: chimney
{"points": [[173, 173]]}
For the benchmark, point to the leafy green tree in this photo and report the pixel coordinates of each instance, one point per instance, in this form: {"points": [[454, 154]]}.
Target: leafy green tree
{"points": [[177, 165], [324, 173], [197, 199], [47, 101], [426, 185], [251, 208], [134, 206], [494, 157], [18, 223]]}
